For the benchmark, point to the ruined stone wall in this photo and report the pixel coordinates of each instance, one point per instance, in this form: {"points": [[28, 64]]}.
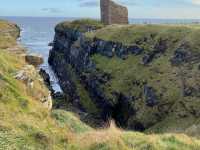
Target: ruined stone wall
{"points": [[112, 13], [105, 11]]}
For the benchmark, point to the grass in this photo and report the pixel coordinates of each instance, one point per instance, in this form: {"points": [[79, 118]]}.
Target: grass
{"points": [[116, 139], [80, 25], [24, 123], [8, 34], [163, 78], [67, 118], [129, 76], [146, 36]]}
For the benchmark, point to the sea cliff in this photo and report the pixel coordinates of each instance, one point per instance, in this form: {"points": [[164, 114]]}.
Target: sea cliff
{"points": [[142, 76]]}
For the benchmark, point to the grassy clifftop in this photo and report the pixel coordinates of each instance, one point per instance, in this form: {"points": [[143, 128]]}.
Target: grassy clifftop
{"points": [[26, 125], [131, 34], [80, 25], [8, 34]]}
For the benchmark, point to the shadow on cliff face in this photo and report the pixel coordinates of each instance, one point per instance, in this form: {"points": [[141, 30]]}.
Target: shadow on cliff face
{"points": [[122, 110]]}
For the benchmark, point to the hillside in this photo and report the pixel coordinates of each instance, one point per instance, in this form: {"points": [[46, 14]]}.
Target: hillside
{"points": [[27, 123], [25, 120], [145, 77]]}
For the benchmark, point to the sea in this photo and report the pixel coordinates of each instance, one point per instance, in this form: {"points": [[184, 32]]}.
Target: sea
{"points": [[38, 32]]}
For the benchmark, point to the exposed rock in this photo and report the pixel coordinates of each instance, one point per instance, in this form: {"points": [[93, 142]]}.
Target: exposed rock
{"points": [[180, 56], [55, 95], [29, 76], [51, 44], [135, 49], [46, 78], [123, 110], [34, 59], [150, 96], [112, 13], [148, 58]]}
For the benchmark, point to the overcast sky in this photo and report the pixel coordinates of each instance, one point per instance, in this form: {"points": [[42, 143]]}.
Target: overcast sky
{"points": [[90, 8]]}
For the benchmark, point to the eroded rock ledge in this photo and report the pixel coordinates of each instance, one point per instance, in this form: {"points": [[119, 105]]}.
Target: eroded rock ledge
{"points": [[141, 85]]}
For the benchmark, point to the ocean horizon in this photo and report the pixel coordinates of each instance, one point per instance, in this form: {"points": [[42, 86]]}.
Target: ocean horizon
{"points": [[131, 20]]}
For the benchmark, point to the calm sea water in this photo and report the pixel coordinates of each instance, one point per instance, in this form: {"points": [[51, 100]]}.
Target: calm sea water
{"points": [[38, 32]]}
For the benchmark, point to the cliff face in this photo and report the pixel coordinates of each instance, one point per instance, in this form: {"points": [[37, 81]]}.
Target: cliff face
{"points": [[148, 81]]}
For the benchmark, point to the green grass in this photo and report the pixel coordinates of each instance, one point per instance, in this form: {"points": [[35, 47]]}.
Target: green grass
{"points": [[164, 78], [147, 36], [80, 25], [67, 118]]}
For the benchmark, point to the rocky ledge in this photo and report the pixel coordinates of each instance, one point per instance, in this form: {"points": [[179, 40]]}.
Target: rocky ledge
{"points": [[13, 54], [145, 77]]}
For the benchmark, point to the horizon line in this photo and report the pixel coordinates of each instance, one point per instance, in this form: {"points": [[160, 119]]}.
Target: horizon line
{"points": [[154, 18]]}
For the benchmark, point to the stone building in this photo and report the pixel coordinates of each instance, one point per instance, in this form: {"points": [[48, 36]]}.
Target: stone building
{"points": [[112, 13]]}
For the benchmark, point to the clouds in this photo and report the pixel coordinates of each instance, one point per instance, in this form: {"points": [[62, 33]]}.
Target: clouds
{"points": [[196, 2], [52, 10], [89, 3], [96, 3], [129, 3], [90, 8]]}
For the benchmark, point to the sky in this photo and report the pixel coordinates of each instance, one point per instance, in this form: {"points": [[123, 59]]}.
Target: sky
{"points": [[185, 9]]}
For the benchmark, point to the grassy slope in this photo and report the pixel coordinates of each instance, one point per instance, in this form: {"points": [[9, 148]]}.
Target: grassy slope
{"points": [[80, 25], [159, 74], [131, 34], [26, 125]]}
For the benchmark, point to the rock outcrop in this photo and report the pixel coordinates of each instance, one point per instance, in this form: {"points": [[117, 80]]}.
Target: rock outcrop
{"points": [[129, 83], [34, 59], [112, 13], [30, 77]]}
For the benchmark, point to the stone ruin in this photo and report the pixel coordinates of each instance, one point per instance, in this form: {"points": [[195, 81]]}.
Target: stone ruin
{"points": [[112, 13]]}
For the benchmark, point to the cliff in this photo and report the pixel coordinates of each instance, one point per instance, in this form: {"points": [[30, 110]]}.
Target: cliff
{"points": [[27, 124], [26, 118], [145, 77]]}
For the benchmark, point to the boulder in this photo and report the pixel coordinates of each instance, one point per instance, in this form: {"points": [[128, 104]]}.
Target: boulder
{"points": [[27, 74], [150, 96], [34, 59], [51, 44], [45, 77]]}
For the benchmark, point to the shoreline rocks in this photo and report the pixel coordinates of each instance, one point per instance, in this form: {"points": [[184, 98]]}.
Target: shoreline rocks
{"points": [[34, 59]]}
